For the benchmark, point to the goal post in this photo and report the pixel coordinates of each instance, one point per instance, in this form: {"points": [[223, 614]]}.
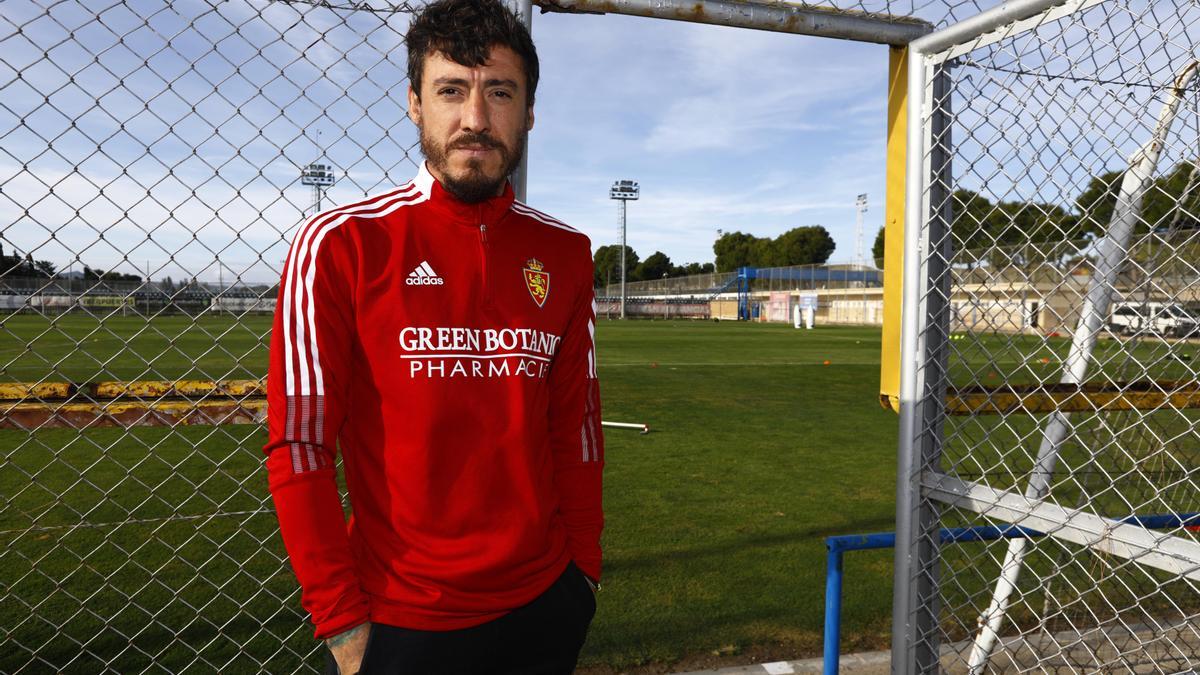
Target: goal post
{"points": [[1053, 164], [819, 20], [893, 233]]}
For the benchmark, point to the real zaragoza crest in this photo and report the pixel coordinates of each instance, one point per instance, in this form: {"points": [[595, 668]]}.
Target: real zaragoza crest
{"points": [[537, 281]]}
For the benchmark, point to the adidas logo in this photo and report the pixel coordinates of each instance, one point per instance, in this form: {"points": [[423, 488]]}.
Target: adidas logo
{"points": [[424, 276]]}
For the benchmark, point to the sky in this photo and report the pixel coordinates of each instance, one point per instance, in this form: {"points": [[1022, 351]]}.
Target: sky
{"points": [[723, 128], [169, 137], [189, 165]]}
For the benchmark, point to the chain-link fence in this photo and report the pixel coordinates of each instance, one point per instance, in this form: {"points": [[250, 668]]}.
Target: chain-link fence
{"points": [[151, 157], [150, 164], [846, 294], [1058, 144], [789, 278]]}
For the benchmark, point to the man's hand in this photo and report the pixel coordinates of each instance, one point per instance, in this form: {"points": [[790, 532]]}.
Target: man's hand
{"points": [[348, 647]]}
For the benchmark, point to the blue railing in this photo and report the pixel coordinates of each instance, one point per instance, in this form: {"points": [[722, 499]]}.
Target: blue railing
{"points": [[838, 545]]}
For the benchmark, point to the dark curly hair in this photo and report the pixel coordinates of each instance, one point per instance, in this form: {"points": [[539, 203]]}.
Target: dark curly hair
{"points": [[465, 31]]}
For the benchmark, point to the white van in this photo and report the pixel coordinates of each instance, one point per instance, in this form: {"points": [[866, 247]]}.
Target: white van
{"points": [[1154, 318]]}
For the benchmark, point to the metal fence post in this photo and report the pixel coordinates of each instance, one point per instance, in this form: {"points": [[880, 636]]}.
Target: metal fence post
{"points": [[833, 605], [925, 337], [520, 177]]}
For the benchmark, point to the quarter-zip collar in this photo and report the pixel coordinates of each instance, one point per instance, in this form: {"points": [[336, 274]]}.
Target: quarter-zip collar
{"points": [[488, 211]]}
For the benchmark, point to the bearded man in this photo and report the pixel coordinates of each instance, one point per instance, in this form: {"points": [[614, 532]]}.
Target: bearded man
{"points": [[440, 336]]}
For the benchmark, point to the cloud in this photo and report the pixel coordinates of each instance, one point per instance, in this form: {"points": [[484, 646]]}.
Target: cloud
{"points": [[725, 128], [728, 120], [130, 222], [746, 90]]}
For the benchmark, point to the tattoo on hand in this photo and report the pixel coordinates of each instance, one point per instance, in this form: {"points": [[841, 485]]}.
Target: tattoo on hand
{"points": [[342, 638]]}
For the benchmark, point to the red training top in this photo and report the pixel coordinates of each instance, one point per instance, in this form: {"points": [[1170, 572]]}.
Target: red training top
{"points": [[447, 350]]}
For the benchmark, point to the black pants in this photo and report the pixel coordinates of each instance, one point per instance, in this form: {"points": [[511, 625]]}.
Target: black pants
{"points": [[541, 638]]}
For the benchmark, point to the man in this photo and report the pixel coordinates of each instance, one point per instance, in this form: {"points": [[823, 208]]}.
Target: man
{"points": [[440, 336]]}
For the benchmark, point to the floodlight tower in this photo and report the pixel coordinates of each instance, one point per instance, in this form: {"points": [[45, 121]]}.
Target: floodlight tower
{"points": [[720, 233], [319, 176], [861, 205], [623, 191]]}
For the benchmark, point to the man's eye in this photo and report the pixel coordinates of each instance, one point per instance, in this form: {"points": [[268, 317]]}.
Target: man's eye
{"points": [[502, 94], [448, 91]]}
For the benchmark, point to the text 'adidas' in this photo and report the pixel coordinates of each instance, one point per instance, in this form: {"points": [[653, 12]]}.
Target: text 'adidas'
{"points": [[423, 276]]}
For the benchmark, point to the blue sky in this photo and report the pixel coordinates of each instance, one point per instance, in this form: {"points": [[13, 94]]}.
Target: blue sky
{"points": [[190, 166], [724, 128]]}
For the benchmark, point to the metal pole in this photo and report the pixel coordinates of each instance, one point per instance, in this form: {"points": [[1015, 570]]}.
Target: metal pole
{"points": [[861, 206], [781, 17], [924, 338], [720, 233], [926, 652], [908, 465], [520, 177], [622, 203], [833, 607], [986, 22]]}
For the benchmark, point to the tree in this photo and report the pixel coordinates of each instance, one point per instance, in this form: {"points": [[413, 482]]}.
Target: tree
{"points": [[877, 249], [656, 266], [809, 245], [1095, 203], [974, 223], [734, 250], [1162, 205], [100, 275], [1027, 231], [607, 264], [18, 266], [1177, 200], [766, 253]]}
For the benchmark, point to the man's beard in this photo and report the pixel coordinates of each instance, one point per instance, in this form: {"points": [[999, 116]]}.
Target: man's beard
{"points": [[474, 185]]}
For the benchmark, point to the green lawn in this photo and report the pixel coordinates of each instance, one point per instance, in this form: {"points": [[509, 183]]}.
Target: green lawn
{"points": [[80, 348], [717, 519], [157, 548]]}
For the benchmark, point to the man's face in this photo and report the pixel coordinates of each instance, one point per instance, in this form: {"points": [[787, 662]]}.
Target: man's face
{"points": [[473, 121]]}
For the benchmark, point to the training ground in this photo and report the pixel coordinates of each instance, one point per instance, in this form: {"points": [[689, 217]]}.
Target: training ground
{"points": [[714, 548]]}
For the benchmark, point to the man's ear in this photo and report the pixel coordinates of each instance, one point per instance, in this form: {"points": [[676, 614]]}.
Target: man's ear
{"points": [[414, 106], [528, 119]]}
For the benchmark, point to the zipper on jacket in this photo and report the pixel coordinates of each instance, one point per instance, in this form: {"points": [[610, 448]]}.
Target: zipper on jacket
{"points": [[483, 262]]}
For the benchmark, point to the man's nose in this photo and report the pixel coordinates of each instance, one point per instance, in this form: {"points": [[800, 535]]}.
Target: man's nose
{"points": [[475, 113]]}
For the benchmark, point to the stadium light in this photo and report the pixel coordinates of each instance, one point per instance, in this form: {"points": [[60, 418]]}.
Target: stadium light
{"points": [[623, 191], [861, 205], [720, 233], [319, 176]]}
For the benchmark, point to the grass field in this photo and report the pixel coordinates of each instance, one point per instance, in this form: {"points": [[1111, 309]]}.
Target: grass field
{"points": [[158, 547]]}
